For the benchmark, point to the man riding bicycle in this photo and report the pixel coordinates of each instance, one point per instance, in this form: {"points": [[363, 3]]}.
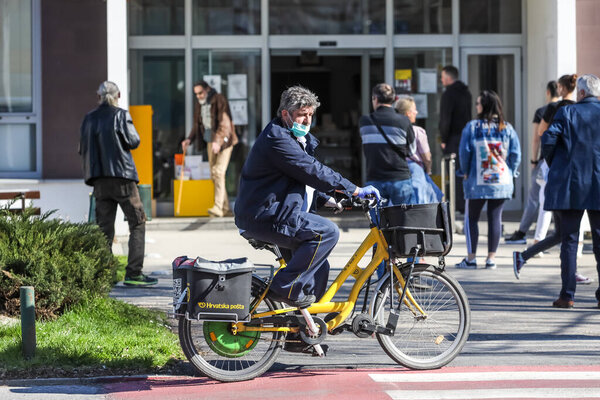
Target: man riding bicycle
{"points": [[280, 184]]}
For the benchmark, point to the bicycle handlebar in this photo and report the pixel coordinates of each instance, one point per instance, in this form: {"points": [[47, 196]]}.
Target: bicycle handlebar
{"points": [[356, 202]]}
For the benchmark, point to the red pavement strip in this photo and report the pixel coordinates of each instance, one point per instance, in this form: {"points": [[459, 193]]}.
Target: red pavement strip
{"points": [[326, 384]]}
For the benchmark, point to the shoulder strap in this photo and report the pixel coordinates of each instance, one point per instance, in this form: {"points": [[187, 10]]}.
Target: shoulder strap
{"points": [[387, 139]]}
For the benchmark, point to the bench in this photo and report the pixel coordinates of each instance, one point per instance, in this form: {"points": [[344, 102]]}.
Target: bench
{"points": [[21, 195]]}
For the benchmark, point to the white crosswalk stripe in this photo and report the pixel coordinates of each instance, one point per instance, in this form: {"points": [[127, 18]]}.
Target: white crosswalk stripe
{"points": [[486, 376], [515, 384], [515, 393]]}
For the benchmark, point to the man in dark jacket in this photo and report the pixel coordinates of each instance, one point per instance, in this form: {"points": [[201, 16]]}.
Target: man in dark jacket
{"points": [[107, 136], [213, 126], [455, 112], [277, 194], [388, 139], [571, 147]]}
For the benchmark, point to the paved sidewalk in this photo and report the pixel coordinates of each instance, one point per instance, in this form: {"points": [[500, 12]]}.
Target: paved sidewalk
{"points": [[513, 322]]}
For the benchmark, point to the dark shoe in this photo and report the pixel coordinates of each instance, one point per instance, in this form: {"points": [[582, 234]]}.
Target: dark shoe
{"points": [[466, 264], [302, 302], [518, 263], [517, 237], [298, 346], [140, 280], [562, 303]]}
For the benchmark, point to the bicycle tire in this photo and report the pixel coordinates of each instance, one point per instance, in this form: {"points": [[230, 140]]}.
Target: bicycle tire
{"points": [[434, 341], [241, 366]]}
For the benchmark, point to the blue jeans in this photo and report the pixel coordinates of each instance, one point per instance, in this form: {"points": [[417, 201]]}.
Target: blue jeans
{"points": [[395, 192]]}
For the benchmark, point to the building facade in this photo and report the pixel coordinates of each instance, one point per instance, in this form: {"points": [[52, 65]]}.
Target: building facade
{"points": [[55, 53]]}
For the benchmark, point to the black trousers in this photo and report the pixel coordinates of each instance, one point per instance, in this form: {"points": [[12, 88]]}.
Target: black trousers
{"points": [[110, 192], [569, 221]]}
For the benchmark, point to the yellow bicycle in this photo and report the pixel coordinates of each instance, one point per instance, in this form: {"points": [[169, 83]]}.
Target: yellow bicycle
{"points": [[423, 323]]}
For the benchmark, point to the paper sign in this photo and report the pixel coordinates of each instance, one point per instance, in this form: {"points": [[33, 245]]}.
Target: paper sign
{"points": [[237, 87], [239, 111], [427, 81], [402, 74], [421, 104], [214, 81], [403, 80]]}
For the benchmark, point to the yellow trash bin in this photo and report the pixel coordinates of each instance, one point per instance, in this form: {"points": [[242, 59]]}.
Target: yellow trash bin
{"points": [[197, 196]]}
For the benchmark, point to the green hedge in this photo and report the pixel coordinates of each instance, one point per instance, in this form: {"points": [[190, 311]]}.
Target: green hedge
{"points": [[65, 262]]}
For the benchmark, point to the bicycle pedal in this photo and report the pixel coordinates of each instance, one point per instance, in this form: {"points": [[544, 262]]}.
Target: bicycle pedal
{"points": [[340, 329], [320, 351]]}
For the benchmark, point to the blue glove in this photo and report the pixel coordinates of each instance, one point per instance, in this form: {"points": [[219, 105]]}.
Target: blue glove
{"points": [[368, 190]]}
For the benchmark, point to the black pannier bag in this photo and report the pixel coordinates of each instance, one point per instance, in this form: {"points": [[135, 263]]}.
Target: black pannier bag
{"points": [[217, 290], [406, 225]]}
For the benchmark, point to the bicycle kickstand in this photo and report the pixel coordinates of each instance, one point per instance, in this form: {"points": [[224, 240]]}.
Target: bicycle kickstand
{"points": [[314, 330]]}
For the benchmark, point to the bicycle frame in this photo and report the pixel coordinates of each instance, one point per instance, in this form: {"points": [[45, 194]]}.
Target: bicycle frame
{"points": [[344, 308]]}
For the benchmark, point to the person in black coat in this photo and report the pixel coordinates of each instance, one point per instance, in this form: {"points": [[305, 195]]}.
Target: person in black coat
{"points": [[455, 112], [107, 138]]}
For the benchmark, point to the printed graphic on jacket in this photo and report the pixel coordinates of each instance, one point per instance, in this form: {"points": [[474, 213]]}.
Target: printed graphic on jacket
{"points": [[491, 167]]}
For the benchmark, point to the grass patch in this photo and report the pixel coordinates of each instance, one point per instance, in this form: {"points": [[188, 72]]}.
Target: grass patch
{"points": [[103, 334]]}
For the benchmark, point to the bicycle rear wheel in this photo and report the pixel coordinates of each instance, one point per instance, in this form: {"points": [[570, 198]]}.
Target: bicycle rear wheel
{"points": [[433, 339], [215, 352]]}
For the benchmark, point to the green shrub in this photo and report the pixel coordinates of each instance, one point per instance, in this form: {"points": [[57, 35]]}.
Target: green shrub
{"points": [[65, 262]]}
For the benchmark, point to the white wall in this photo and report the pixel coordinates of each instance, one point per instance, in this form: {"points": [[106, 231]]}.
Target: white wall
{"points": [[116, 44], [69, 197]]}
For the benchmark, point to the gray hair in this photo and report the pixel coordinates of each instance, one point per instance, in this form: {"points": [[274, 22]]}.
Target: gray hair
{"points": [[296, 97], [590, 84], [109, 93], [404, 103]]}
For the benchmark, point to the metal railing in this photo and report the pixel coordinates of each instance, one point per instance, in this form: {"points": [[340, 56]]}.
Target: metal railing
{"points": [[449, 184]]}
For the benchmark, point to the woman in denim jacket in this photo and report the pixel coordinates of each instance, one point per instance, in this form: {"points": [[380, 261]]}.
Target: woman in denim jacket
{"points": [[489, 157]]}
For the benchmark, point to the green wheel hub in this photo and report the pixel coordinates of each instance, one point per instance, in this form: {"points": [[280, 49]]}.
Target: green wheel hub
{"points": [[219, 338]]}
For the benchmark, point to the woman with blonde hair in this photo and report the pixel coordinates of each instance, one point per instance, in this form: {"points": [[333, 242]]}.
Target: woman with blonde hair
{"points": [[419, 163]]}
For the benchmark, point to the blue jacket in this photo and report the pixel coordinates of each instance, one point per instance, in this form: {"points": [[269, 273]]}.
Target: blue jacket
{"points": [[490, 159], [274, 178], [571, 146]]}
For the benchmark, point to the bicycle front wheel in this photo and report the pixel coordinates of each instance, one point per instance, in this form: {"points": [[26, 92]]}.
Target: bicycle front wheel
{"points": [[432, 338], [216, 352]]}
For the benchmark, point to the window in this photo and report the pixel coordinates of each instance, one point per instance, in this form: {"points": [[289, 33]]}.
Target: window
{"points": [[156, 17], [425, 16], [417, 74], [16, 83], [226, 17], [333, 17], [490, 16], [236, 75], [158, 78], [18, 145]]}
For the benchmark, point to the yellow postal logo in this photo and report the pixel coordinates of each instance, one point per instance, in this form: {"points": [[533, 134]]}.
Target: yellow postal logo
{"points": [[223, 306]]}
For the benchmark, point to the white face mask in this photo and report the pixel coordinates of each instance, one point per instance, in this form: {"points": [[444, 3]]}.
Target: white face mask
{"points": [[202, 102]]}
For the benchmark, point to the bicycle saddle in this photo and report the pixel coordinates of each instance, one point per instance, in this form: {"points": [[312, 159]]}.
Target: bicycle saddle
{"points": [[259, 244]]}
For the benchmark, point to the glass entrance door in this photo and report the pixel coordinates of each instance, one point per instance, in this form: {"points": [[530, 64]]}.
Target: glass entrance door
{"points": [[498, 69]]}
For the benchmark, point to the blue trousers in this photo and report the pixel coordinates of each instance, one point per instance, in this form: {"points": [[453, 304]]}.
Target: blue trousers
{"points": [[306, 255], [569, 232]]}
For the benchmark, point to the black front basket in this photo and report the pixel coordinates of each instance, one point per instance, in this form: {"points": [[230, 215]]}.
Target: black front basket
{"points": [[407, 225]]}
